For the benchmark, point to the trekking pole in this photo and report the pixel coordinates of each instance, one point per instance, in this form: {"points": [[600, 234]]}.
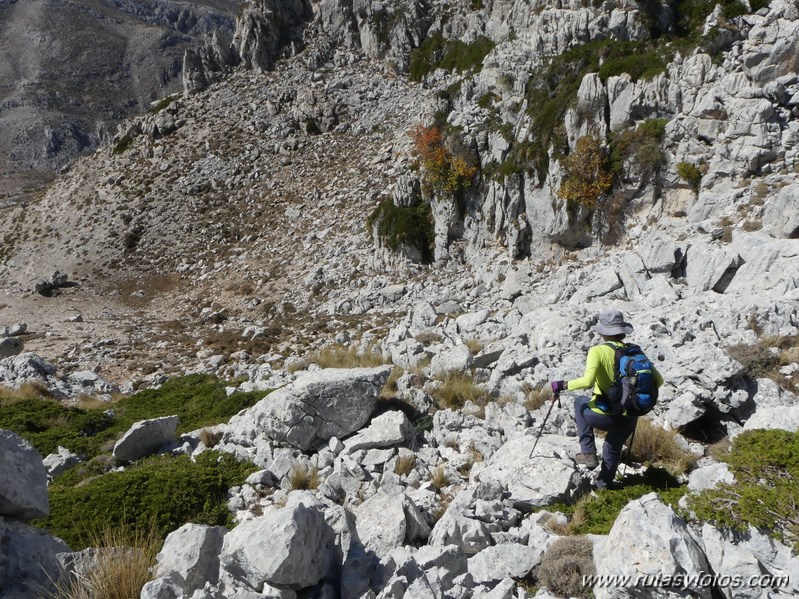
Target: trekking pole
{"points": [[549, 411], [629, 451]]}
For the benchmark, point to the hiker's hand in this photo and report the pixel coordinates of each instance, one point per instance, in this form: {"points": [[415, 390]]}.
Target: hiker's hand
{"points": [[558, 386]]}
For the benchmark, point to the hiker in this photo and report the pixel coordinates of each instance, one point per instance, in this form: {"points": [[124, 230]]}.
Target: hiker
{"points": [[596, 411]]}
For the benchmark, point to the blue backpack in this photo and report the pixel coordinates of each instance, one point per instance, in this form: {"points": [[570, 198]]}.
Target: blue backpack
{"points": [[634, 390]]}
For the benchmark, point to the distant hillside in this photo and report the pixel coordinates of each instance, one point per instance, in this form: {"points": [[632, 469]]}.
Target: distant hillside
{"points": [[70, 70]]}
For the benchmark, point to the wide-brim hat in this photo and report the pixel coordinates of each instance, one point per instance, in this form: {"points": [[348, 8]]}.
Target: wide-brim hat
{"points": [[612, 323]]}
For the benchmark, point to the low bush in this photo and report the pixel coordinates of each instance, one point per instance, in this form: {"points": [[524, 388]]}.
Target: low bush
{"points": [[123, 144], [596, 514], [399, 226], [766, 467], [587, 176], [198, 400], [690, 173], [444, 171], [564, 564], [437, 52], [764, 358], [641, 145], [164, 490]]}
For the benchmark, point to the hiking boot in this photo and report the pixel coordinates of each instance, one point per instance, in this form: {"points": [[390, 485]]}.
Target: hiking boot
{"points": [[613, 485], [587, 459]]}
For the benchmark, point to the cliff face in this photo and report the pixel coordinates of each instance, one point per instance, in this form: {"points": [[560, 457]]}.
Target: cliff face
{"points": [[70, 71]]}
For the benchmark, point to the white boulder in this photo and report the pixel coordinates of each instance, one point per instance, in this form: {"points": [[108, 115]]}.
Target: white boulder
{"points": [[146, 437], [318, 406], [649, 539], [286, 547]]}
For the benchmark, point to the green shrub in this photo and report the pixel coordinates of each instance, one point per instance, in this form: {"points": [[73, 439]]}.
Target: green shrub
{"points": [[398, 226], [635, 59], [690, 174], [596, 514], [165, 102], [48, 424], [123, 144], [164, 490], [766, 466], [587, 175], [642, 145], [437, 52], [198, 400]]}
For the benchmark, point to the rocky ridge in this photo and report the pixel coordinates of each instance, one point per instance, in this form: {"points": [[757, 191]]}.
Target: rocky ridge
{"points": [[516, 284]]}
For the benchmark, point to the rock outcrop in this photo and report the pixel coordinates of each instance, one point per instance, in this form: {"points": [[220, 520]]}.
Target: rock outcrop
{"points": [[317, 407], [145, 438], [23, 493]]}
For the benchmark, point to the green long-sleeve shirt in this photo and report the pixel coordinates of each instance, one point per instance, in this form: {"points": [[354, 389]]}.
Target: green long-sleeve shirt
{"points": [[599, 373]]}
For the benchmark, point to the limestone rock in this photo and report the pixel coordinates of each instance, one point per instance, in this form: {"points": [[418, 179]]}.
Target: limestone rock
{"points": [[388, 429], [707, 477], [28, 563], [509, 560], [145, 438], [286, 547], [666, 549], [549, 476], [318, 406], [61, 461], [23, 491], [190, 556]]}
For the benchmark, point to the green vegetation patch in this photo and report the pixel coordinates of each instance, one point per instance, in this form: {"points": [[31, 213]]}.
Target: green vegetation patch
{"points": [[123, 144], [596, 515], [399, 226], [766, 465], [437, 52], [48, 424], [198, 400], [690, 173], [164, 491], [642, 145]]}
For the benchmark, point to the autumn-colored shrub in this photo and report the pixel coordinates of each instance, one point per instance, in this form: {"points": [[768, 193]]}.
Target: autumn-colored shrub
{"points": [[587, 173], [443, 171]]}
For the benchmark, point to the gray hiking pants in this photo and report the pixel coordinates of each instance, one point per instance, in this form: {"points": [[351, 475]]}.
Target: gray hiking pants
{"points": [[618, 429]]}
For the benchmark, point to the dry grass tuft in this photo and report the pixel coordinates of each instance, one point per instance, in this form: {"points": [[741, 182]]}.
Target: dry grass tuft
{"points": [[340, 356], [475, 346], [303, 478], [404, 464], [458, 388], [209, 437], [121, 569], [655, 445], [390, 390], [31, 389], [538, 397], [564, 564], [439, 478]]}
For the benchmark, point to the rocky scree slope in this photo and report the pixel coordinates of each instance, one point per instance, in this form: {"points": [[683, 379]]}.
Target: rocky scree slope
{"points": [[504, 302], [86, 66]]}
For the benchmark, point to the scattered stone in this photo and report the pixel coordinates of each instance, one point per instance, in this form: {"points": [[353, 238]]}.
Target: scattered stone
{"points": [[145, 438]]}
